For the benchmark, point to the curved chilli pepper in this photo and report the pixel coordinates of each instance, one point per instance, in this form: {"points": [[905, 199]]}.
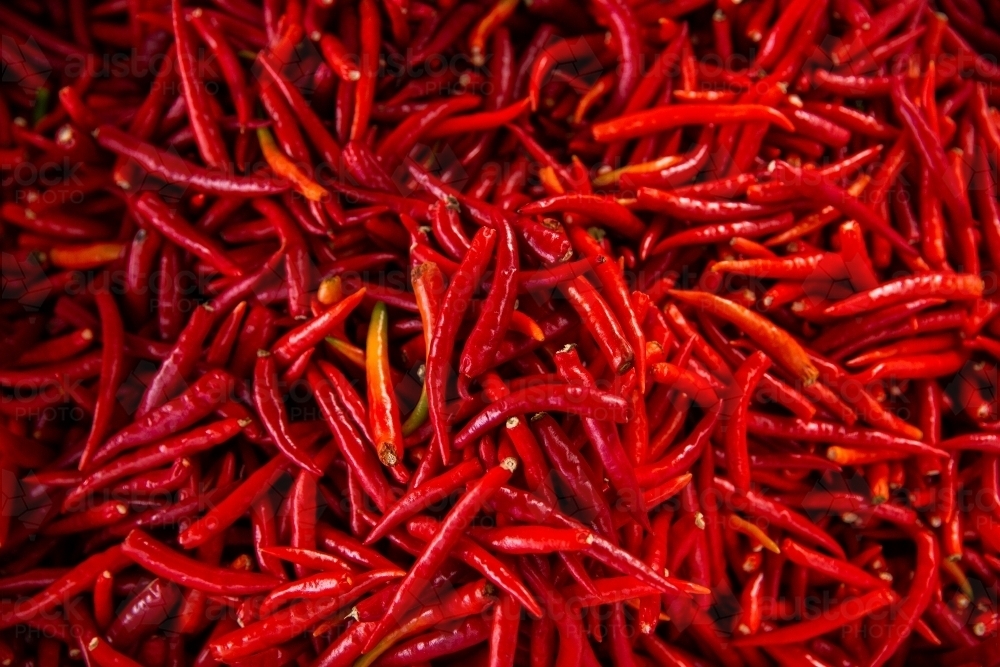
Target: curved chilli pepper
{"points": [[213, 35], [337, 57], [659, 166], [194, 404], [487, 564], [602, 208], [855, 255], [781, 516], [358, 456], [666, 118], [625, 29], [840, 570], [349, 398], [103, 596], [525, 507], [53, 224], [777, 38], [348, 647], [308, 559], [105, 514], [164, 480], [542, 59], [290, 622], [207, 135], [351, 549], [839, 335], [574, 470], [371, 41], [438, 643], [797, 267], [267, 399], [780, 345], [415, 208], [928, 144], [442, 342], [308, 335], [383, 409], [840, 615], [617, 294], [155, 213], [917, 599], [827, 432], [618, 559], [180, 363], [664, 492], [436, 551], [505, 631], [494, 320], [396, 145], [76, 580], [298, 272], [417, 500], [753, 531], [311, 122], [865, 37], [428, 287], [582, 401], [496, 17], [603, 436], [749, 229], [56, 349], [700, 389], [190, 573], [532, 459], [679, 175], [565, 619], [478, 122], [144, 613], [608, 590], [854, 120], [86, 257], [746, 379], [446, 224], [917, 367], [469, 600], [112, 371], [605, 328], [175, 170], [951, 286], [819, 129], [166, 451], [826, 192], [313, 586], [682, 457], [534, 539], [699, 210], [77, 109], [227, 512], [284, 167], [83, 367]]}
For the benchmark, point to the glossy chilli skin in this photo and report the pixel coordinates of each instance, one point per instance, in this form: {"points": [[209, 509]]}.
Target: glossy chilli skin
{"points": [[549, 333]]}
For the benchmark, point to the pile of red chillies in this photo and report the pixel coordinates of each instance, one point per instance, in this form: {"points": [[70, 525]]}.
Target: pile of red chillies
{"points": [[427, 332]]}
